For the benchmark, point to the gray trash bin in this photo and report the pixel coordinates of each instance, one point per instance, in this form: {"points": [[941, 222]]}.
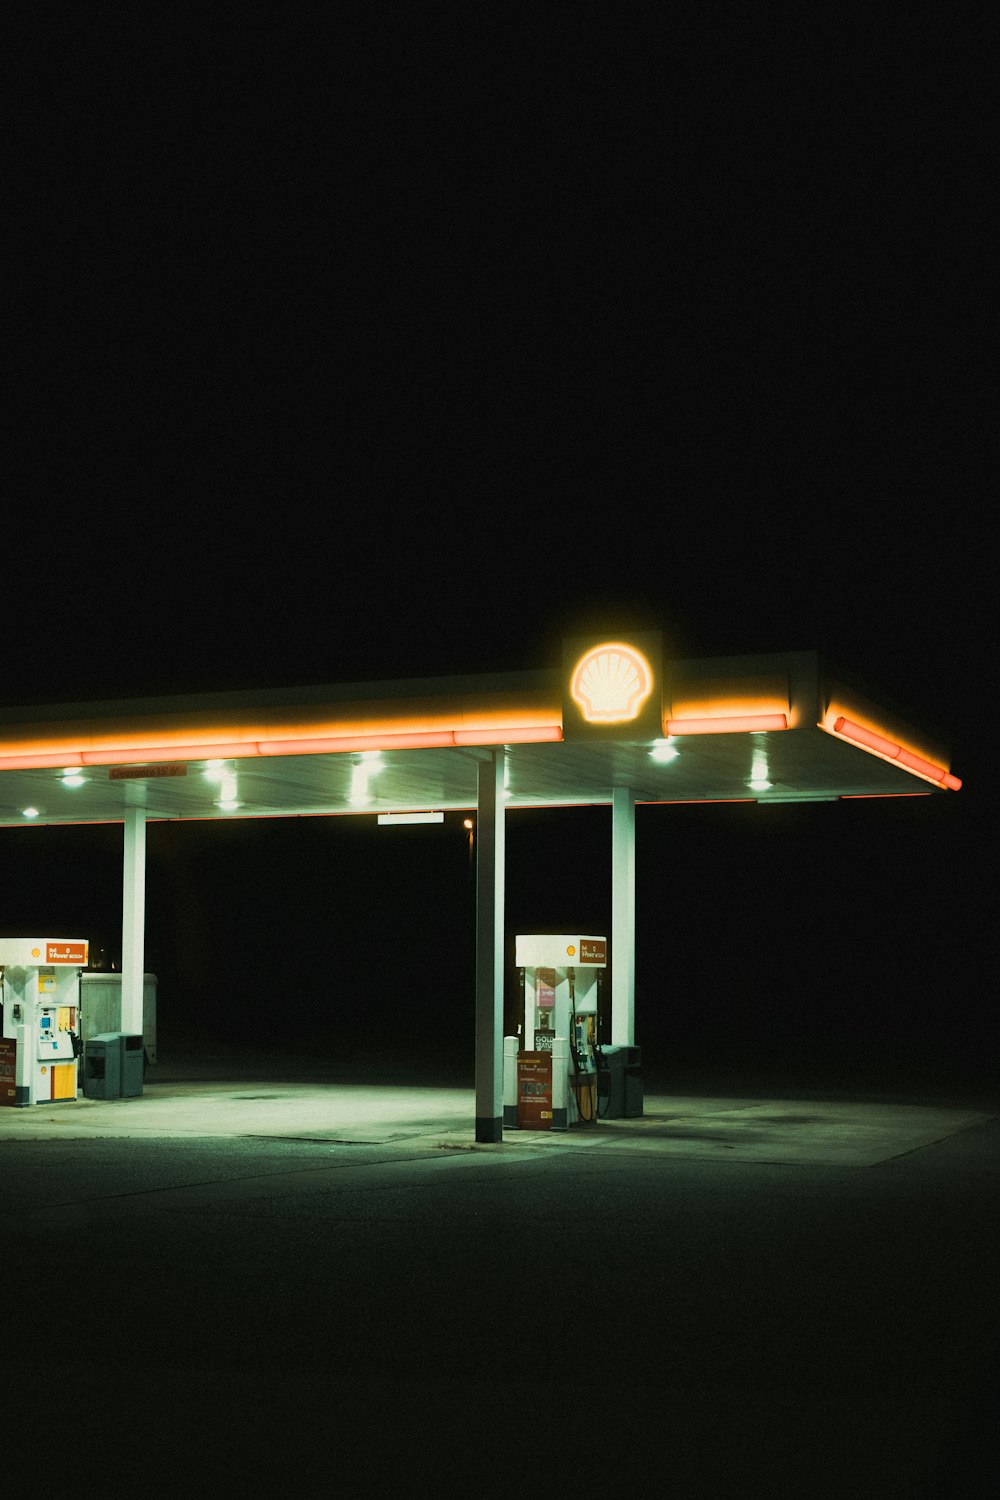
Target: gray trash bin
{"points": [[132, 1059], [611, 1083], [619, 1083], [102, 1066], [633, 1082]]}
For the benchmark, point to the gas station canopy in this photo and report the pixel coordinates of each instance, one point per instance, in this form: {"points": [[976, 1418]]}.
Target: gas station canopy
{"points": [[769, 728], [614, 724]]}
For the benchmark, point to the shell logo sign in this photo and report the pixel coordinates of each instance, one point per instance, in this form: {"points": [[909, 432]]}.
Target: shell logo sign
{"points": [[611, 682]]}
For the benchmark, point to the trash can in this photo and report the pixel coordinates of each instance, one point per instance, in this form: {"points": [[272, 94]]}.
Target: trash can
{"points": [[611, 1083], [619, 1083], [633, 1082], [102, 1066], [132, 1060]]}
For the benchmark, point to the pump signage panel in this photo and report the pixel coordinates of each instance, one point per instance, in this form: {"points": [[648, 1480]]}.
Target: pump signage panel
{"points": [[35, 953], [593, 951], [66, 953], [613, 687]]}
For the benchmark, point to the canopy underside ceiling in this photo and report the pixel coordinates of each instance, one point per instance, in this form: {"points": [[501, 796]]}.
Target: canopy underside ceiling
{"points": [[801, 765]]}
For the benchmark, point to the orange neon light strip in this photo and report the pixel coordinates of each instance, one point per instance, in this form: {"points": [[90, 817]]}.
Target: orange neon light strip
{"points": [[745, 724], [889, 750], [338, 743], [535, 735], [243, 749], [139, 755], [40, 762]]}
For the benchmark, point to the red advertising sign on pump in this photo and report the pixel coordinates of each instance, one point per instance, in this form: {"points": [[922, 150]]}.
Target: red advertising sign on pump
{"points": [[534, 1091], [8, 1070]]}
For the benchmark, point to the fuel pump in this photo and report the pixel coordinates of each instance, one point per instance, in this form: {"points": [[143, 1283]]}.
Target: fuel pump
{"points": [[558, 1040], [40, 996], [583, 1052]]}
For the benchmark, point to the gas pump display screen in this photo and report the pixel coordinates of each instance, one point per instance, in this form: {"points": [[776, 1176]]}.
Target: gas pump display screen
{"points": [[45, 1023]]}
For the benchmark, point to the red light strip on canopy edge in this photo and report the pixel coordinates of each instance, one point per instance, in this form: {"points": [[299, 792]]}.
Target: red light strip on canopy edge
{"points": [[697, 801], [167, 753], [243, 749], [753, 724], [889, 750]]}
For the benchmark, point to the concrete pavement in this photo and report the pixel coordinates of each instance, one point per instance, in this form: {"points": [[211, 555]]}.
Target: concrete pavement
{"points": [[782, 1129], [281, 1098], [241, 1283]]}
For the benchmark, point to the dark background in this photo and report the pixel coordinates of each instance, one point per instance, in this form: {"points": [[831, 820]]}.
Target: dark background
{"points": [[386, 340]]}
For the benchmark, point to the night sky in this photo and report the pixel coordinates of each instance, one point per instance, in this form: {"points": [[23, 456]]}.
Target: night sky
{"points": [[372, 341]]}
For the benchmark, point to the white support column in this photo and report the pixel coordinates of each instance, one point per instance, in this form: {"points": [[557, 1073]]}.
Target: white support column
{"points": [[623, 917], [489, 948], [133, 919], [24, 1066]]}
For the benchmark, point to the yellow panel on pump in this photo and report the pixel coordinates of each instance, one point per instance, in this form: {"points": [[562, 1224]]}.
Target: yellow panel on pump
{"points": [[64, 1080]]}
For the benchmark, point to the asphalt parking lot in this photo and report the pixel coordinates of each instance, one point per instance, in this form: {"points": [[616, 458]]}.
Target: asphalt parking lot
{"points": [[240, 1279]]}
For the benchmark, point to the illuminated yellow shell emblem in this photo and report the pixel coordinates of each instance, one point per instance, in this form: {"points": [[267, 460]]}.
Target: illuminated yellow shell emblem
{"points": [[611, 683]]}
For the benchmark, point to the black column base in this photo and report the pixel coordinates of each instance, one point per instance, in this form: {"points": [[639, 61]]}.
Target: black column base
{"points": [[488, 1129]]}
